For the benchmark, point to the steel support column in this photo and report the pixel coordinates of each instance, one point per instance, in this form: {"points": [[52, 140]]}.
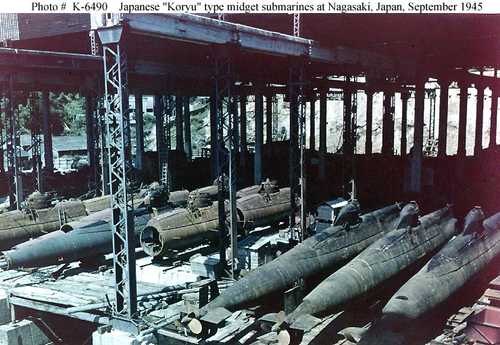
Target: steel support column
{"points": [[443, 117], [213, 137], [462, 119], [47, 132], [388, 124], [348, 140], [139, 132], [322, 121], [36, 142], [369, 123], [322, 132], [122, 225], [13, 149], [269, 119], [103, 147], [179, 124], [188, 148], [236, 112], [493, 119], [243, 139], [478, 145], [431, 146], [90, 104], [297, 147], [259, 135], [163, 108], [226, 147], [404, 122], [276, 128], [243, 123], [417, 154], [348, 147], [312, 123]]}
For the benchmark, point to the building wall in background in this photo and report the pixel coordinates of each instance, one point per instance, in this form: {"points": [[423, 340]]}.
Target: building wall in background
{"points": [[49, 24]]}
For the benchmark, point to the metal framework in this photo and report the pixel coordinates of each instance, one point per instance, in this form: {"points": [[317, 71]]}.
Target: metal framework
{"points": [[47, 131], [225, 153], [13, 140], [354, 140], [116, 118], [164, 108], [296, 24], [92, 143], [388, 123], [36, 143], [94, 48], [102, 169], [348, 137], [297, 147], [354, 111], [432, 142]]}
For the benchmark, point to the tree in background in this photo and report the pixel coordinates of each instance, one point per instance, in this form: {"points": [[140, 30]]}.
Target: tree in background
{"points": [[67, 114]]}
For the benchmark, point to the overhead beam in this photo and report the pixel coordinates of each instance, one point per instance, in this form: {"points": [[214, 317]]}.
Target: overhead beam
{"points": [[206, 31], [49, 60], [37, 80]]}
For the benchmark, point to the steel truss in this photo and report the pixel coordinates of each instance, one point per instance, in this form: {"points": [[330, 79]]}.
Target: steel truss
{"points": [[432, 142], [36, 142], [13, 149], [297, 162], [354, 139], [102, 169], [296, 24], [164, 108], [349, 138], [117, 136], [94, 47], [227, 146], [91, 119]]}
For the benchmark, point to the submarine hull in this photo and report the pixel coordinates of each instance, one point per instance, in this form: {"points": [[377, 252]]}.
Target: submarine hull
{"points": [[316, 254], [454, 265], [379, 262]]}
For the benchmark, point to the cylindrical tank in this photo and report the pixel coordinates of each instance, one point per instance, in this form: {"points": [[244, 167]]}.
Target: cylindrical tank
{"points": [[87, 241], [263, 208], [97, 204], [19, 226], [268, 186], [91, 219], [178, 198], [182, 228], [179, 228]]}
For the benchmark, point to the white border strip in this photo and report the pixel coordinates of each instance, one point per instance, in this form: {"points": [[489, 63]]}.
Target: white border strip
{"points": [[250, 6]]}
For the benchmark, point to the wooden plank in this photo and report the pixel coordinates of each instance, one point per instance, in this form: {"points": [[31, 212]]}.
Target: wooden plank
{"points": [[85, 291], [46, 295], [21, 302], [495, 283]]}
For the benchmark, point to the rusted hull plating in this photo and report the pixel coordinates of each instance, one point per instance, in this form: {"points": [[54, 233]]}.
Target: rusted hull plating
{"points": [[181, 228], [263, 209], [20, 226], [83, 238]]}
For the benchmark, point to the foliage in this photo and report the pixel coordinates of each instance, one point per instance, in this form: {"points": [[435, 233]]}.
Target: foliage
{"points": [[67, 113]]}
